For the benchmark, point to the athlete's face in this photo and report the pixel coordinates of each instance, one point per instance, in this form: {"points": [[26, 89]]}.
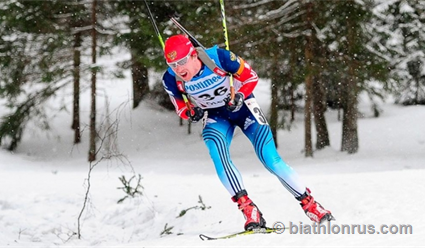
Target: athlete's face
{"points": [[189, 69]]}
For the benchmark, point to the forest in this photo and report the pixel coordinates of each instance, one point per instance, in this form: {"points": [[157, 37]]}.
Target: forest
{"points": [[317, 55]]}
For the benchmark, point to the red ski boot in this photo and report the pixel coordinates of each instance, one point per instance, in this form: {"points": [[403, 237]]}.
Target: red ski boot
{"points": [[253, 216], [313, 209]]}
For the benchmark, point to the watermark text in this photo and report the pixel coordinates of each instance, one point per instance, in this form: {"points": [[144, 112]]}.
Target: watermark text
{"points": [[329, 228]]}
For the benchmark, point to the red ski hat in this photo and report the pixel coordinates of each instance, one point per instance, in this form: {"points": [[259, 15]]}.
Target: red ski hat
{"points": [[177, 47]]}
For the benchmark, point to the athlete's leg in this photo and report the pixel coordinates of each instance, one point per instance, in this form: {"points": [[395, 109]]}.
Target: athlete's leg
{"points": [[256, 128], [218, 134]]}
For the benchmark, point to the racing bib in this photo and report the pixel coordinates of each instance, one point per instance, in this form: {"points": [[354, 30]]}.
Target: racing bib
{"points": [[256, 111]]}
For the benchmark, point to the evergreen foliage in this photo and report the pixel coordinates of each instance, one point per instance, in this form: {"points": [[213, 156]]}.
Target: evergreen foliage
{"points": [[401, 24], [32, 48], [356, 46]]}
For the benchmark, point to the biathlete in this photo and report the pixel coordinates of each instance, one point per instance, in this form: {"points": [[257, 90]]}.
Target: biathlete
{"points": [[188, 76]]}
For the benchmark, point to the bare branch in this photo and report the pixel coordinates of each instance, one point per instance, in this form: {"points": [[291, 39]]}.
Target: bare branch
{"points": [[252, 5]]}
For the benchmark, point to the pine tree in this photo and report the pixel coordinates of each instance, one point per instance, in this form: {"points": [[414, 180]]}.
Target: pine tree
{"points": [[42, 43], [32, 49], [401, 26], [356, 63], [141, 41]]}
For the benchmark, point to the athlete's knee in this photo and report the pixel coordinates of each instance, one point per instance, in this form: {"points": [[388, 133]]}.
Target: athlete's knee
{"points": [[214, 138]]}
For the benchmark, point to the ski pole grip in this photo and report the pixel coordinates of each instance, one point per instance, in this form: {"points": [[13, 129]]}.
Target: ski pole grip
{"points": [[232, 94]]}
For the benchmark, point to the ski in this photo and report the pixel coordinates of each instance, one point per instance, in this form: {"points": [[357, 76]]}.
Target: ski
{"points": [[264, 230]]}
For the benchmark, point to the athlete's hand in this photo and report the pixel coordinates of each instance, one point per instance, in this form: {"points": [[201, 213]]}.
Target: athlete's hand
{"points": [[195, 115], [236, 104]]}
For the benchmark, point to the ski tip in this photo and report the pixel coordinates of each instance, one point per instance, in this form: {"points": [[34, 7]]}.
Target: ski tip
{"points": [[329, 218], [204, 237]]}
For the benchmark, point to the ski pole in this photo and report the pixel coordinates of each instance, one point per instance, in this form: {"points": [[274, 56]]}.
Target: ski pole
{"points": [[158, 34], [226, 41]]}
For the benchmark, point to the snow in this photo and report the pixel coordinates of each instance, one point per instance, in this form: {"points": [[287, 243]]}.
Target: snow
{"points": [[406, 8], [43, 183]]}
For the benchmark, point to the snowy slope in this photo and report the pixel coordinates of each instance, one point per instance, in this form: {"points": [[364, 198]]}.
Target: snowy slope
{"points": [[42, 185]]}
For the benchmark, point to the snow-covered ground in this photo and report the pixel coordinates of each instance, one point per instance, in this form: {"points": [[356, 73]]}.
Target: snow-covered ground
{"points": [[43, 184]]}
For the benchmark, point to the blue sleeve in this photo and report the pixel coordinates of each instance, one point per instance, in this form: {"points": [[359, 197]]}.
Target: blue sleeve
{"points": [[170, 85], [228, 60]]}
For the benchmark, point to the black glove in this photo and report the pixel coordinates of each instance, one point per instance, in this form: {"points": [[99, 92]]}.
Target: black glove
{"points": [[196, 115], [236, 104]]}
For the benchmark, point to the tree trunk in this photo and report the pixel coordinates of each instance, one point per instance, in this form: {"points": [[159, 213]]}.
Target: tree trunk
{"points": [[140, 80], [308, 147], [93, 133], [350, 140], [308, 82], [319, 103], [76, 93], [292, 87], [274, 102], [293, 104]]}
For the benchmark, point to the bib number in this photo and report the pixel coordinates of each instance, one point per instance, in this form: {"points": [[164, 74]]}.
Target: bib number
{"points": [[256, 111]]}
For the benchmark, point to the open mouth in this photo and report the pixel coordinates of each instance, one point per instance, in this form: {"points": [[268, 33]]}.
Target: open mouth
{"points": [[184, 74]]}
